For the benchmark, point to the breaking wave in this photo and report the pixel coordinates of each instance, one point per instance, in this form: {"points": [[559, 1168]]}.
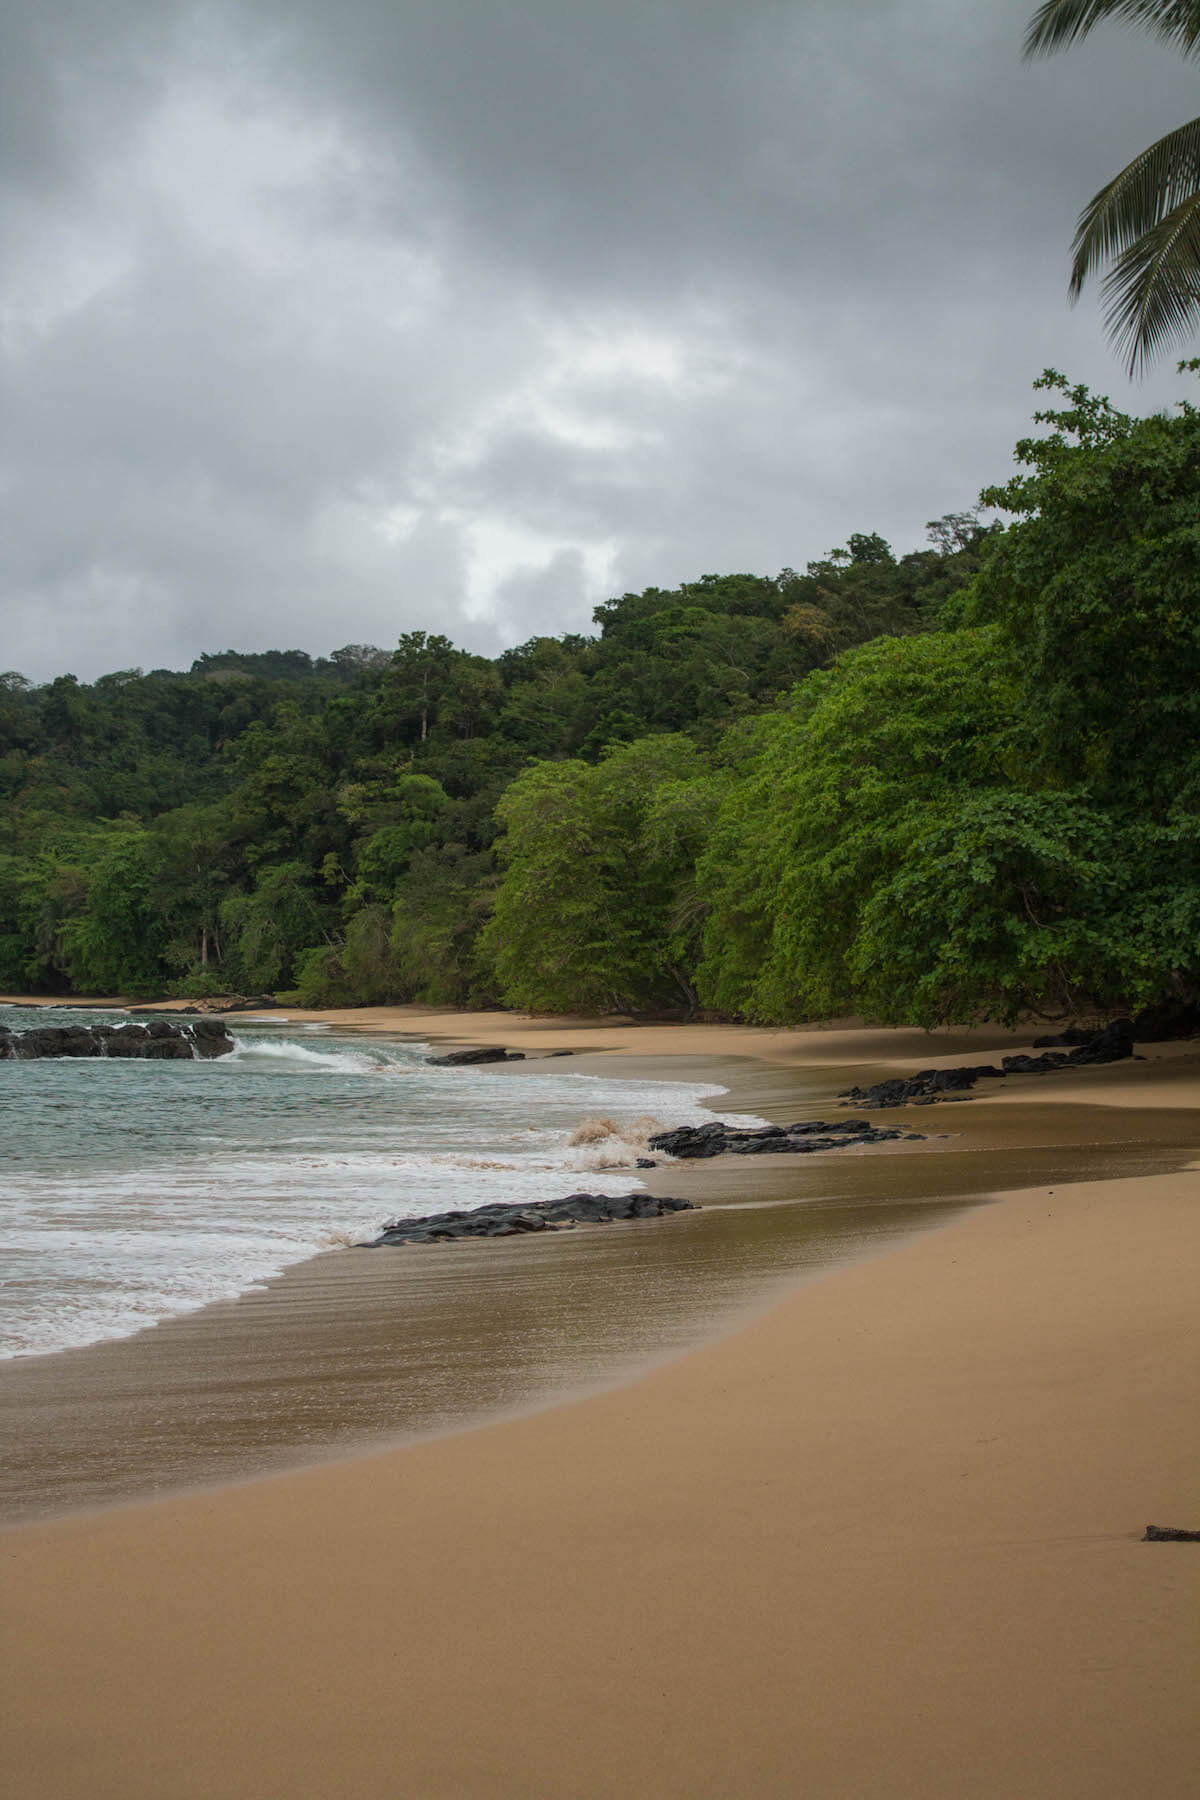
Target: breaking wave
{"points": [[135, 1190], [369, 1059]]}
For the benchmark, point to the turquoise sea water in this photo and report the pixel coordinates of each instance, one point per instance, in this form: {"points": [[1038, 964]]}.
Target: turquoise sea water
{"points": [[136, 1190]]}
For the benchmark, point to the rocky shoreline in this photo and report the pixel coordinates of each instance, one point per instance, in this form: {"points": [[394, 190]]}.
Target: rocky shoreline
{"points": [[686, 1142]]}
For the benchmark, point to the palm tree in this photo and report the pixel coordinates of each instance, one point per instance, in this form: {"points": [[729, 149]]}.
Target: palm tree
{"points": [[1146, 222]]}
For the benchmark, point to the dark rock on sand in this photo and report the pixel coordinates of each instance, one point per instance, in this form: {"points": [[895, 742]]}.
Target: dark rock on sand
{"points": [[925, 1086], [1111, 1043], [499, 1220], [455, 1058], [1170, 1534], [717, 1139], [1165, 1021]]}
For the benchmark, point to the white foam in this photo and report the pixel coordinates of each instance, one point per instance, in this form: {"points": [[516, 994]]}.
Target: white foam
{"points": [[155, 1189], [368, 1060]]}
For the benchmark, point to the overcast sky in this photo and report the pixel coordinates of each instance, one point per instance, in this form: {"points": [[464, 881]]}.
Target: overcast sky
{"points": [[320, 323]]}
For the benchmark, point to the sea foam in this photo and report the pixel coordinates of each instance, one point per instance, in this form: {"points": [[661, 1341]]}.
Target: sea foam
{"points": [[135, 1191]]}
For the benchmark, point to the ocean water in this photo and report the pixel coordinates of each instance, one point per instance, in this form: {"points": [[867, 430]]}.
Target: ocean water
{"points": [[137, 1190]]}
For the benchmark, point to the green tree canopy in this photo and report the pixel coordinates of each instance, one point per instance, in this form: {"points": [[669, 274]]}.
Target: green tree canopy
{"points": [[1145, 222], [832, 794], [586, 913], [1096, 590]]}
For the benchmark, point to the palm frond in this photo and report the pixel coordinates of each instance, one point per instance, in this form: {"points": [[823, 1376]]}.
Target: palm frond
{"points": [[1136, 201], [1152, 293], [1058, 23]]}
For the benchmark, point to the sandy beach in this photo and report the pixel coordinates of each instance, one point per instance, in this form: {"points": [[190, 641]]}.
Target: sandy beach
{"points": [[881, 1539]]}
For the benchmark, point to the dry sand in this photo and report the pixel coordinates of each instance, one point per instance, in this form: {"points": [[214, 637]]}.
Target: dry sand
{"points": [[883, 1541]]}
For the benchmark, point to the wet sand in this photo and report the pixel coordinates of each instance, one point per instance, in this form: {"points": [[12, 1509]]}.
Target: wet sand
{"points": [[878, 1540]]}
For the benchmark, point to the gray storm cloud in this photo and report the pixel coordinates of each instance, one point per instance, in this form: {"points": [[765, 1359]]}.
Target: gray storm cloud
{"points": [[322, 324]]}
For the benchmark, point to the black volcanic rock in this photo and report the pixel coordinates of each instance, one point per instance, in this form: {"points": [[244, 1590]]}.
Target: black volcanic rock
{"points": [[157, 1041], [210, 1037], [457, 1058], [690, 1142], [500, 1220], [122, 1040], [1112, 1043], [1166, 1020], [53, 1040]]}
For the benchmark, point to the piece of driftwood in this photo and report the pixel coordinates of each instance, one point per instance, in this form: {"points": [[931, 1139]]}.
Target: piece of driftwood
{"points": [[1170, 1534]]}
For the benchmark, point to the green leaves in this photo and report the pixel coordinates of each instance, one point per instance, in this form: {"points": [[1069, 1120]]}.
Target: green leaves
{"points": [[1145, 222], [268, 929], [1097, 593], [1002, 901], [841, 784], [1059, 23], [991, 820], [118, 942], [594, 896]]}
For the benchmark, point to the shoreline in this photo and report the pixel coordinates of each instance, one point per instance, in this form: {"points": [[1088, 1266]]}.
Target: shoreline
{"points": [[844, 1043], [437, 1345], [484, 1338], [354, 1353], [879, 1540], [882, 1542]]}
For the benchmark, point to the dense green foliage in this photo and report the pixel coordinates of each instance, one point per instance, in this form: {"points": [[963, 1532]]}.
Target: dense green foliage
{"points": [[1002, 815], [591, 914], [1144, 223], [964, 782], [327, 827]]}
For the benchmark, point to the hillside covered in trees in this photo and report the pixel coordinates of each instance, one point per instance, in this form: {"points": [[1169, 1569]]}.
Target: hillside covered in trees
{"points": [[956, 783]]}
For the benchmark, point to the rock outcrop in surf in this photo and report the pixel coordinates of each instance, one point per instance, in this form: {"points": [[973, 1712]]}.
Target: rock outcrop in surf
{"points": [[158, 1041]]}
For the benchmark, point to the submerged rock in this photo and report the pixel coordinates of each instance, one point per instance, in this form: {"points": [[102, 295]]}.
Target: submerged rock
{"points": [[500, 1220], [158, 1041], [453, 1058]]}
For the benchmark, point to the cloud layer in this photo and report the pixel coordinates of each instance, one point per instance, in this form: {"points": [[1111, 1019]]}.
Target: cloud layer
{"points": [[318, 326]]}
